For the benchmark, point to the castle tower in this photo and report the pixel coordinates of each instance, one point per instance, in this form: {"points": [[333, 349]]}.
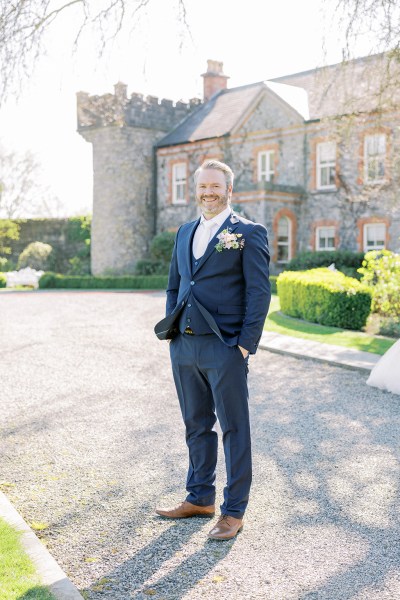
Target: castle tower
{"points": [[123, 133]]}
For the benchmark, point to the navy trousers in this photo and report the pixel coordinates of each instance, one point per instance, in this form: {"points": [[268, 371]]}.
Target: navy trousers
{"points": [[211, 382]]}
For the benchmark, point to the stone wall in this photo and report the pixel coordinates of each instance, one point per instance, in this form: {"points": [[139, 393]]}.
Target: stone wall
{"points": [[48, 231]]}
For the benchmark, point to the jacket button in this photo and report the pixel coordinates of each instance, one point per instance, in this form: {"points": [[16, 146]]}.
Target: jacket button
{"points": [[192, 283], [189, 306], [196, 263], [188, 320]]}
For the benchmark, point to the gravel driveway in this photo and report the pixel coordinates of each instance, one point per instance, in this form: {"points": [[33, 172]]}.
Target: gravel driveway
{"points": [[91, 440]]}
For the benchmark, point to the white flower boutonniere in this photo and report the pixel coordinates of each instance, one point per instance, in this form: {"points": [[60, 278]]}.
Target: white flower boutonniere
{"points": [[228, 240]]}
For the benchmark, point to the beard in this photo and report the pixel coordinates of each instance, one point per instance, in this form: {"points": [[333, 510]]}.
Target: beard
{"points": [[212, 204]]}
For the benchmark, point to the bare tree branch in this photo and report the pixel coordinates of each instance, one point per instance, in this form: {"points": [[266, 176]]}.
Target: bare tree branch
{"points": [[24, 23]]}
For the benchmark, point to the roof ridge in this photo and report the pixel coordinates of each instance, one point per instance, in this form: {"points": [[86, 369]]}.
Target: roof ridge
{"points": [[316, 69]]}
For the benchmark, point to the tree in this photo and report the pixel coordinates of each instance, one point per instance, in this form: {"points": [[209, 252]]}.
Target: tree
{"points": [[379, 20], [21, 194], [24, 24]]}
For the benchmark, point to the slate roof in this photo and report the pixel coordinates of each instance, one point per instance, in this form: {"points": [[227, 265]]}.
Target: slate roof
{"points": [[214, 118], [360, 85]]}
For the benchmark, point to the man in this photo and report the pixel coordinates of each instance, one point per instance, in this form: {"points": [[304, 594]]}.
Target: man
{"points": [[217, 301]]}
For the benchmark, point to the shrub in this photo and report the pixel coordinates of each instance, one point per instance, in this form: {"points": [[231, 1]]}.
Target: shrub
{"points": [[272, 280], [36, 255], [147, 266], [3, 281], [345, 261], [55, 280], [324, 296], [381, 273], [389, 326], [161, 246], [79, 230]]}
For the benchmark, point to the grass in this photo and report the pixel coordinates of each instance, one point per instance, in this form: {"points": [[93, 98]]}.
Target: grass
{"points": [[18, 577], [280, 323]]}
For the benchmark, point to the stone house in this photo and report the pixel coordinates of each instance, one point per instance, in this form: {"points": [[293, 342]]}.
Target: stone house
{"points": [[315, 157]]}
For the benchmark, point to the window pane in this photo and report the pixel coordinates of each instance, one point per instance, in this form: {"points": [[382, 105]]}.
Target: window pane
{"points": [[327, 151], [283, 227], [283, 253]]}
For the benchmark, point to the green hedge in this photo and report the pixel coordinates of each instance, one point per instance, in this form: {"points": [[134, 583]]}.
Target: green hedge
{"points": [[272, 280], [345, 261], [140, 282], [325, 297], [3, 281]]}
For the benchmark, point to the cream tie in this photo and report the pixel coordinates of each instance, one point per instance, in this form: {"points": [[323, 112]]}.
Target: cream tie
{"points": [[203, 240]]}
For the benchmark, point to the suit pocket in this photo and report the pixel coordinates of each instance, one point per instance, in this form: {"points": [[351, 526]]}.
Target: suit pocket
{"points": [[231, 309]]}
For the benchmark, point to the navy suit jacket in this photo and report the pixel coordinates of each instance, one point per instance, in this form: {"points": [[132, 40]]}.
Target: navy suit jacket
{"points": [[230, 288]]}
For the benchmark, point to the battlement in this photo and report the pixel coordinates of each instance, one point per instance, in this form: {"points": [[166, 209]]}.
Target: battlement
{"points": [[117, 109]]}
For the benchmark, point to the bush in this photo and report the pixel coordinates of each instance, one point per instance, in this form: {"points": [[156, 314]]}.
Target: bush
{"points": [[55, 280], [3, 281], [389, 326], [79, 229], [147, 266], [161, 246], [381, 273], [36, 255], [272, 280], [324, 296], [345, 261]]}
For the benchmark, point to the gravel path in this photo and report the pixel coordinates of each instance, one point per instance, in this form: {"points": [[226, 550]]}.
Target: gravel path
{"points": [[91, 440]]}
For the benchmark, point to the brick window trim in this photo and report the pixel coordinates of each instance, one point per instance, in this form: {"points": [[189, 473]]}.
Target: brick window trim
{"points": [[374, 131], [265, 148], [313, 158], [285, 212], [171, 164], [323, 223], [371, 221]]}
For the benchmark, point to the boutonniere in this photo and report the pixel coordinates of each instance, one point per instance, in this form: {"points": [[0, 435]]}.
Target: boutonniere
{"points": [[229, 240]]}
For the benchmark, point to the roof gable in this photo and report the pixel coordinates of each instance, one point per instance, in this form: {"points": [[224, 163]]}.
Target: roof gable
{"points": [[226, 111]]}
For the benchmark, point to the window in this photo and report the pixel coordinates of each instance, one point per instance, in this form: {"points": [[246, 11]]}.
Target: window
{"points": [[266, 165], [284, 240], [326, 165], [374, 158], [374, 236], [325, 238], [179, 183]]}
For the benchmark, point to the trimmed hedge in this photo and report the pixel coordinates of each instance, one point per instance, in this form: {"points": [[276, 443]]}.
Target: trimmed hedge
{"points": [[3, 281], [324, 296], [86, 282], [272, 280]]}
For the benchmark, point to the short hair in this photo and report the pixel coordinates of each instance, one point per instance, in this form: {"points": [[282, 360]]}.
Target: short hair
{"points": [[218, 166]]}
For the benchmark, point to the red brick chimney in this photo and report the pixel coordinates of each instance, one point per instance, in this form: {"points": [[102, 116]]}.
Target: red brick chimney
{"points": [[214, 79]]}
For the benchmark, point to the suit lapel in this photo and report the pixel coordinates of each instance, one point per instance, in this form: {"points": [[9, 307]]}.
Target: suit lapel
{"points": [[230, 223]]}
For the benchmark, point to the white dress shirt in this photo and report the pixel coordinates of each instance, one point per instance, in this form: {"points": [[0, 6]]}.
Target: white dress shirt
{"points": [[206, 230]]}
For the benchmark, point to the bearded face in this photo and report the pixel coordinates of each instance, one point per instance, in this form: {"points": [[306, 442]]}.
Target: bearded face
{"points": [[212, 193]]}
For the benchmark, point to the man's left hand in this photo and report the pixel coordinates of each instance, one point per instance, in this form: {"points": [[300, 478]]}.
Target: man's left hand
{"points": [[244, 351]]}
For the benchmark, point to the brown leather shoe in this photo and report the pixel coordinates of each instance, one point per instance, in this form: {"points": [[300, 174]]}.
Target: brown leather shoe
{"points": [[186, 510], [226, 528]]}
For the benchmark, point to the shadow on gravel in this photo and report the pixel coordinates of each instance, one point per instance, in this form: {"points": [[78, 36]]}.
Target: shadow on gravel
{"points": [[336, 454], [160, 568]]}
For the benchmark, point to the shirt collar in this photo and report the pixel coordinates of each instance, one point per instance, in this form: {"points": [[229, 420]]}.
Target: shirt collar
{"points": [[218, 219]]}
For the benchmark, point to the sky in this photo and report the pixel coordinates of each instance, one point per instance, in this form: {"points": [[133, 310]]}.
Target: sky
{"points": [[155, 54]]}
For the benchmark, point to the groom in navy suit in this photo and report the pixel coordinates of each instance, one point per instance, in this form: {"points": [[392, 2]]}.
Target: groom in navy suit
{"points": [[217, 301]]}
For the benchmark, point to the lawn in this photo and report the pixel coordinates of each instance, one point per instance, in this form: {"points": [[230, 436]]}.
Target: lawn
{"points": [[17, 574], [280, 323]]}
